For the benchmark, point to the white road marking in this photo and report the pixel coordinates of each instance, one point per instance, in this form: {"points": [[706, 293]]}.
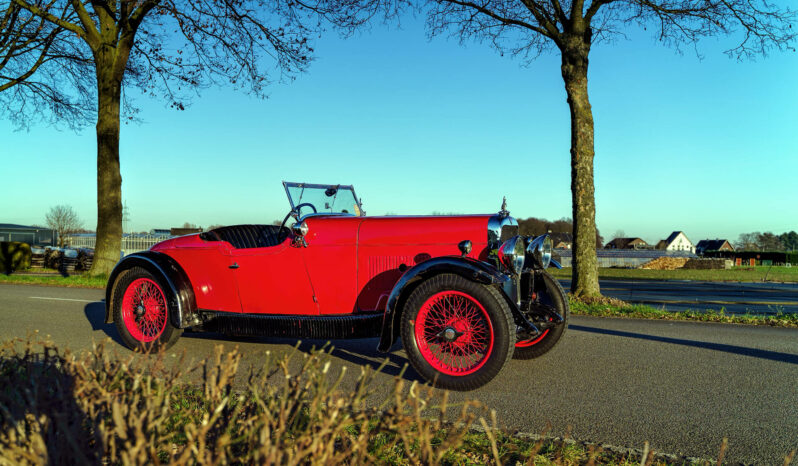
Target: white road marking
{"points": [[67, 299]]}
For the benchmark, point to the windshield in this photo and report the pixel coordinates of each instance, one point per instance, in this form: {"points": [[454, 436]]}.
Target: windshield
{"points": [[323, 198]]}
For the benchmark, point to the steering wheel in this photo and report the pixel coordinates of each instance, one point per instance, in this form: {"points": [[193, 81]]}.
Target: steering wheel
{"points": [[288, 215], [305, 204]]}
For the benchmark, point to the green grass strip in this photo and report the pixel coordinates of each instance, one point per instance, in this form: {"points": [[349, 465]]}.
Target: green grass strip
{"points": [[735, 274], [71, 281], [609, 307]]}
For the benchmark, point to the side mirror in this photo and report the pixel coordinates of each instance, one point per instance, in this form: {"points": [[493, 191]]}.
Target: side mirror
{"points": [[300, 229]]}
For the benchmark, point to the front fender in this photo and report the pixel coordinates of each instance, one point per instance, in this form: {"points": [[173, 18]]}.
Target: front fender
{"points": [[180, 293], [467, 268]]}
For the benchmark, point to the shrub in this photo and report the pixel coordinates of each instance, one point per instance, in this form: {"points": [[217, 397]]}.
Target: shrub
{"points": [[14, 256], [58, 407]]}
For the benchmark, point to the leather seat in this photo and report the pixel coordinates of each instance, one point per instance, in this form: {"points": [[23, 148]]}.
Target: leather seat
{"points": [[248, 236]]}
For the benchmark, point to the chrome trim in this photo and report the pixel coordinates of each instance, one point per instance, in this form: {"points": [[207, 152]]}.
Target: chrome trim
{"points": [[300, 229], [465, 247], [540, 249], [511, 254], [326, 214], [503, 212], [496, 224]]}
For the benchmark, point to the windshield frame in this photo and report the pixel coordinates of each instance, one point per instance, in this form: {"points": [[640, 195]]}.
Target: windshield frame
{"points": [[292, 184]]}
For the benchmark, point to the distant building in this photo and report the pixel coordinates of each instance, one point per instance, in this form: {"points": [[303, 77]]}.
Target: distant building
{"points": [[562, 240], [35, 236], [160, 232], [626, 243], [677, 241], [184, 231], [713, 245]]}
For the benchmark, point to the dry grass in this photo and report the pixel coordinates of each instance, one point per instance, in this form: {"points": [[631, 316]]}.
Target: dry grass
{"points": [[58, 407]]}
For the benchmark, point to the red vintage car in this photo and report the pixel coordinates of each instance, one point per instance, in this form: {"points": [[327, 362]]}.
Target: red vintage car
{"points": [[465, 292]]}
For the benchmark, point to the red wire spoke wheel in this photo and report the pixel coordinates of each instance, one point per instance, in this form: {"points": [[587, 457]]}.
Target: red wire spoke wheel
{"points": [[458, 333], [454, 333], [144, 310], [141, 311]]}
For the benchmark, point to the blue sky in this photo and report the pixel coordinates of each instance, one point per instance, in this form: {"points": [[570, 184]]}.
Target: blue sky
{"points": [[707, 146]]}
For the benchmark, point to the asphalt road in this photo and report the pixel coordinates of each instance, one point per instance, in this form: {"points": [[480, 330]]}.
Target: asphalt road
{"points": [[682, 386], [679, 295]]}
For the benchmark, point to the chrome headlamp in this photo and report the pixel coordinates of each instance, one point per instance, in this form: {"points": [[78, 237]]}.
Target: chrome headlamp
{"points": [[540, 248], [511, 254]]}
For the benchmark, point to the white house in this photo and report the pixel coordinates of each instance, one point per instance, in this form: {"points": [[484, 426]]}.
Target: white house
{"points": [[677, 241]]}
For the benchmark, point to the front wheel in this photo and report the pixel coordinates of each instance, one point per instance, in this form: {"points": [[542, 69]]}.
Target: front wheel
{"points": [[458, 334], [549, 294], [141, 312]]}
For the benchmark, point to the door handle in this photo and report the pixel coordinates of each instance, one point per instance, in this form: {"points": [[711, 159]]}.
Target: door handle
{"points": [[234, 266]]}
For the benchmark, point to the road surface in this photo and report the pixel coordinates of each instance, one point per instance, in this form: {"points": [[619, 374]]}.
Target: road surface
{"points": [[682, 386], [679, 295]]}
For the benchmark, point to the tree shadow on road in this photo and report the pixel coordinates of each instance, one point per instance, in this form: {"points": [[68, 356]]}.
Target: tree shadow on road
{"points": [[733, 349]]}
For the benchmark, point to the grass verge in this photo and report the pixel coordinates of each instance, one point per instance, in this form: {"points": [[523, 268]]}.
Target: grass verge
{"points": [[52, 278], [93, 408], [735, 274], [611, 307]]}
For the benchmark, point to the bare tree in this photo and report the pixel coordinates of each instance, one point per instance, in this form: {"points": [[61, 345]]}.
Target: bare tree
{"points": [[33, 46], [528, 28], [767, 241], [168, 48], [64, 220]]}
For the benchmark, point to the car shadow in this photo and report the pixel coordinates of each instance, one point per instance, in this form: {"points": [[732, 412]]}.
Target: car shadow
{"points": [[95, 314], [357, 351], [733, 349]]}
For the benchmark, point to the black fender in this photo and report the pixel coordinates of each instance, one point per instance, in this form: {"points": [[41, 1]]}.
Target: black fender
{"points": [[467, 268], [180, 293]]}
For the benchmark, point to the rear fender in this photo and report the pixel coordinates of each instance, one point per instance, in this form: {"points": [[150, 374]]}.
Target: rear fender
{"points": [[180, 293], [467, 268]]}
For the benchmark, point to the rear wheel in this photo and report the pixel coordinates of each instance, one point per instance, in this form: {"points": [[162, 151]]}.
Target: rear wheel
{"points": [[551, 294], [141, 312], [458, 334]]}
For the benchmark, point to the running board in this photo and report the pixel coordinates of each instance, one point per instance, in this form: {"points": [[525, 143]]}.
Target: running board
{"points": [[293, 326]]}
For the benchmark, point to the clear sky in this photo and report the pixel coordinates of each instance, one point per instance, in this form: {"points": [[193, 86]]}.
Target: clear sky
{"points": [[707, 146]]}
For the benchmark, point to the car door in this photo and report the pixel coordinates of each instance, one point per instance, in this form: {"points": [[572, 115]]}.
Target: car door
{"points": [[331, 260], [273, 280]]}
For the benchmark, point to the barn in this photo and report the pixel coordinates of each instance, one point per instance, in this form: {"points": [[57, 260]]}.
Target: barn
{"points": [[35, 236]]}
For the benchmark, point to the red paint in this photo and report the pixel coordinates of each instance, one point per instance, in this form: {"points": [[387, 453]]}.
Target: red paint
{"points": [[458, 311], [145, 296], [274, 280], [350, 264], [385, 243], [331, 260]]}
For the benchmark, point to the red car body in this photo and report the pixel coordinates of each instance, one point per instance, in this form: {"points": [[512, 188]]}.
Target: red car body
{"points": [[351, 264], [471, 279]]}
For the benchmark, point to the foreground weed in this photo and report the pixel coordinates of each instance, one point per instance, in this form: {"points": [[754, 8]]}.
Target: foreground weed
{"points": [[59, 407]]}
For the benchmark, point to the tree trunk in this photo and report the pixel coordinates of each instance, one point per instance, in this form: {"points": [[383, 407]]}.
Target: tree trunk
{"points": [[584, 278], [109, 177]]}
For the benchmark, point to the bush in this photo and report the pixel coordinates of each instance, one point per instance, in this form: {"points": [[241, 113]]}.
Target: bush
{"points": [[14, 256], [57, 407]]}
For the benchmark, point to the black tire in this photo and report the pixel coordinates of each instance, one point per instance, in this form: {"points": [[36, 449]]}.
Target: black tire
{"points": [[553, 296], [486, 332], [153, 330]]}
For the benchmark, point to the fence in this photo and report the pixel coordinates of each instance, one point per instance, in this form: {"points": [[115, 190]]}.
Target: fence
{"points": [[130, 244], [623, 257]]}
